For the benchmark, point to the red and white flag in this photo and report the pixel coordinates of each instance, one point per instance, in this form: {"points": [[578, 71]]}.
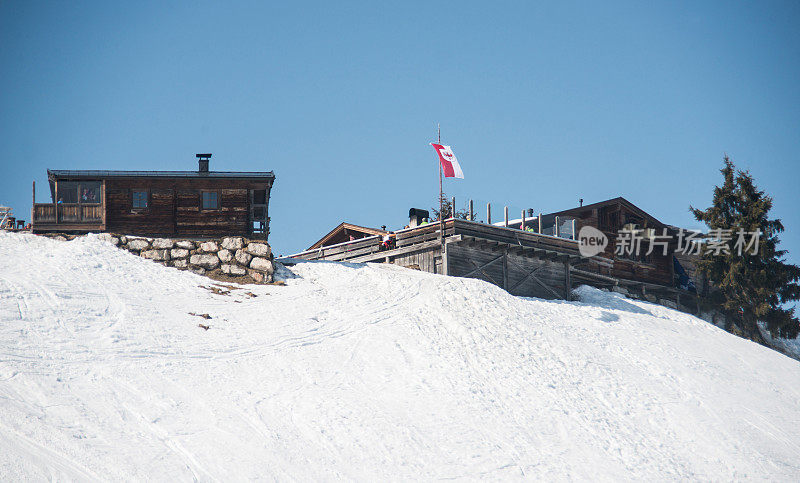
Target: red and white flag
{"points": [[448, 161]]}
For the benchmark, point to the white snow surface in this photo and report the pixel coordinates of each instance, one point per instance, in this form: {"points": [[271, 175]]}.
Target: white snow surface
{"points": [[367, 372]]}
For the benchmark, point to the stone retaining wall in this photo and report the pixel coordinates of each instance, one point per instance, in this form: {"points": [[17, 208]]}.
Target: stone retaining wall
{"points": [[230, 256]]}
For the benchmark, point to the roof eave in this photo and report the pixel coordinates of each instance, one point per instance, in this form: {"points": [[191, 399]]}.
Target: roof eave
{"points": [[599, 204], [341, 226], [83, 174]]}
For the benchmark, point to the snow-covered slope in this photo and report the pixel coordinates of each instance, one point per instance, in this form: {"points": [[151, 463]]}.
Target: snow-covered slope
{"points": [[367, 372]]}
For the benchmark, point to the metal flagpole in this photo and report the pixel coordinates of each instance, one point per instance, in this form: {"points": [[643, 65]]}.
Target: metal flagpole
{"points": [[441, 193]]}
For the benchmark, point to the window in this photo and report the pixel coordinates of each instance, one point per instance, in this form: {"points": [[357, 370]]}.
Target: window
{"points": [[210, 201], [613, 221], [90, 192], [608, 219], [85, 192], [259, 197], [139, 200], [67, 192], [640, 257]]}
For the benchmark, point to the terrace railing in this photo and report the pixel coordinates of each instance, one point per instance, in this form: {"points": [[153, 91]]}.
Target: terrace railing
{"points": [[68, 213]]}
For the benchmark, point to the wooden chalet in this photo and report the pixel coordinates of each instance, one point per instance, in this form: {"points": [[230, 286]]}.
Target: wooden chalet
{"points": [[535, 256], [199, 204], [523, 263], [610, 217]]}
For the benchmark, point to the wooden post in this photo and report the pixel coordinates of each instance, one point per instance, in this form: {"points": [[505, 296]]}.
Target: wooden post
{"points": [[555, 228], [505, 269], [567, 279], [672, 270], [489, 213], [471, 212], [540, 222], [522, 226], [506, 217], [444, 259], [103, 197], [453, 208], [33, 203], [55, 201], [574, 235], [175, 211]]}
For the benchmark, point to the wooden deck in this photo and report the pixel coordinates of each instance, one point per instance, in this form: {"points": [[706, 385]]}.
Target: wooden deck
{"points": [[523, 263], [67, 217]]}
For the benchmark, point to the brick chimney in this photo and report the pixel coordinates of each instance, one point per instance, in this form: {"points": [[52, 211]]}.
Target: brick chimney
{"points": [[202, 161]]}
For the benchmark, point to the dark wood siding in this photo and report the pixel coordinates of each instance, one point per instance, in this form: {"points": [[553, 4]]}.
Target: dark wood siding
{"points": [[174, 206], [424, 260], [231, 216], [526, 264], [610, 219], [519, 275]]}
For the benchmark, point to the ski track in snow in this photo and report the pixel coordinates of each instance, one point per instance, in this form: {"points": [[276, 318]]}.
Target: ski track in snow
{"points": [[367, 372]]}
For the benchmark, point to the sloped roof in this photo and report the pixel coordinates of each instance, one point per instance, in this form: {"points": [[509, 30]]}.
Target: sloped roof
{"points": [[342, 228], [612, 201], [94, 174]]}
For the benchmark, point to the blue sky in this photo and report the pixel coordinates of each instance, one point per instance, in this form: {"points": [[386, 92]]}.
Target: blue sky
{"points": [[543, 103]]}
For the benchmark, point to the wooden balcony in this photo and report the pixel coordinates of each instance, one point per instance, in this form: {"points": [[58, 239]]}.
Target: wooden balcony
{"points": [[68, 217]]}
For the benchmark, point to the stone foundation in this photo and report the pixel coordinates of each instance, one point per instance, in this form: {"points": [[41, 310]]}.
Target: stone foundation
{"points": [[229, 257]]}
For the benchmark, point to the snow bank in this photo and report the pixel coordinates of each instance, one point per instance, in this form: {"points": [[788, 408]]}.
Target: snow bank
{"points": [[367, 372]]}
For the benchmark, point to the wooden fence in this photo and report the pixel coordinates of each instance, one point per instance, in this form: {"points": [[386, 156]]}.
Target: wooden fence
{"points": [[67, 213]]}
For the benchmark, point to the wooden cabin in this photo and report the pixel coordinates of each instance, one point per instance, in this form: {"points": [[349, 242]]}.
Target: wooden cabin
{"points": [[611, 216], [198, 204], [535, 256], [523, 263]]}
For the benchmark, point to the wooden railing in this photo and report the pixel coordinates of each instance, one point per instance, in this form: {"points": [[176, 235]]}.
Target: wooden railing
{"points": [[44, 213], [47, 213], [411, 237], [91, 213], [514, 236], [344, 250]]}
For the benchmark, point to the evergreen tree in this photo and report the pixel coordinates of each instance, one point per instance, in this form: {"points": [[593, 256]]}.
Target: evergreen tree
{"points": [[750, 287], [447, 209]]}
